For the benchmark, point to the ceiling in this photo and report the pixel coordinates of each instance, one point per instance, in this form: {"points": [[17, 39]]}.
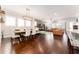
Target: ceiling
{"points": [[44, 12]]}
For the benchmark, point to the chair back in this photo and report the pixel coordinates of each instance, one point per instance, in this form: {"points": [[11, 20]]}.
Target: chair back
{"points": [[27, 32], [8, 32], [33, 32]]}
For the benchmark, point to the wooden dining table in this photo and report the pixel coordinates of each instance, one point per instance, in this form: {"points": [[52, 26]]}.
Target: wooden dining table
{"points": [[21, 34]]}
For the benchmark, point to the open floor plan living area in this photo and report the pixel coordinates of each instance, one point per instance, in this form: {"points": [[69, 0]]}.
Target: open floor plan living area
{"points": [[39, 29]]}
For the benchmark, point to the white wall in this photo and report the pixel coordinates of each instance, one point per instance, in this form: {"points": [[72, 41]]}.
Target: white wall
{"points": [[71, 26], [68, 20]]}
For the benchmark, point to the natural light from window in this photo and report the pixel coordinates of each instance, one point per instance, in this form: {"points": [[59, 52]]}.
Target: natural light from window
{"points": [[35, 23], [10, 21], [28, 23], [20, 22]]}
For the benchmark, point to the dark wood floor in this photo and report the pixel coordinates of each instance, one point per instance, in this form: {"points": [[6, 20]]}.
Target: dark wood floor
{"points": [[42, 45]]}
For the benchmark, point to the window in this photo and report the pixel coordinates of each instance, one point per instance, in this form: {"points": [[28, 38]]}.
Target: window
{"points": [[28, 23], [10, 21], [53, 25], [20, 22], [58, 25]]}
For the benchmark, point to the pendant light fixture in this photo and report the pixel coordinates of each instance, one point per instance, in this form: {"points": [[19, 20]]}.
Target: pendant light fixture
{"points": [[27, 16]]}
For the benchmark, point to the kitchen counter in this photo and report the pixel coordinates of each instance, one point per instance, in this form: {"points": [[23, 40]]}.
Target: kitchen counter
{"points": [[75, 31], [73, 37], [58, 33]]}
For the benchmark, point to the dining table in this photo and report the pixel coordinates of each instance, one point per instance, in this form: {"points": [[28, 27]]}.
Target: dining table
{"points": [[21, 34]]}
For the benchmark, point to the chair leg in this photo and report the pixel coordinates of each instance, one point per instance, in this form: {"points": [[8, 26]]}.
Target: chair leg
{"points": [[15, 40], [29, 37], [18, 39], [11, 41], [25, 37]]}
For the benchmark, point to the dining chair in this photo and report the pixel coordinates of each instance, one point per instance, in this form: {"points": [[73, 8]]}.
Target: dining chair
{"points": [[33, 35], [27, 34], [35, 31], [8, 32], [14, 38]]}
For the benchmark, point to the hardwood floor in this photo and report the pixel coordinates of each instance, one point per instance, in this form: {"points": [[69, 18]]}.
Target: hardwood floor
{"points": [[40, 44]]}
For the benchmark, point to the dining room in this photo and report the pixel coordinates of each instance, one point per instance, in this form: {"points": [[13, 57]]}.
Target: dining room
{"points": [[30, 29]]}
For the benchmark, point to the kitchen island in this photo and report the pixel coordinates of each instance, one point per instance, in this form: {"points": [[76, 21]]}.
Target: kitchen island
{"points": [[58, 33]]}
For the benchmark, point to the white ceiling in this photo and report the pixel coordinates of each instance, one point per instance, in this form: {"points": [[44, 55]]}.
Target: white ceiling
{"points": [[43, 11]]}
